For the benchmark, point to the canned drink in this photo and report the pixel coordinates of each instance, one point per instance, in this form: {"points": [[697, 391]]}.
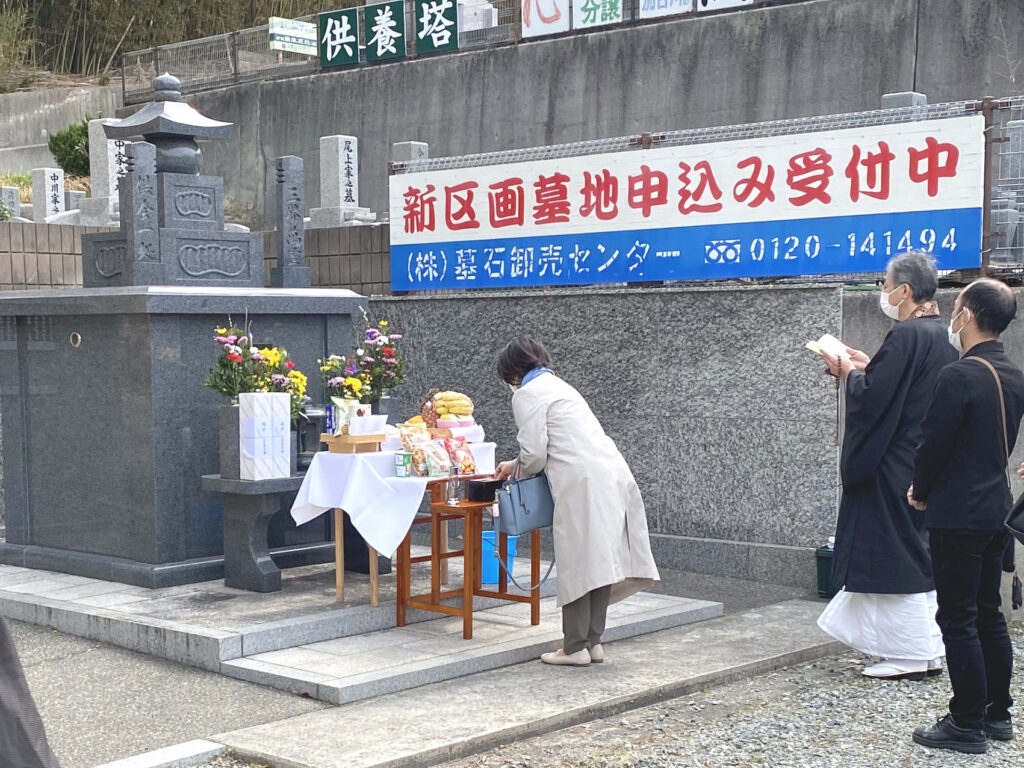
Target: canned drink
{"points": [[329, 418], [403, 464]]}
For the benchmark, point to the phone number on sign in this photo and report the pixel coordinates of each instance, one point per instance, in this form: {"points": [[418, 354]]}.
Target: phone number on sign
{"points": [[792, 248]]}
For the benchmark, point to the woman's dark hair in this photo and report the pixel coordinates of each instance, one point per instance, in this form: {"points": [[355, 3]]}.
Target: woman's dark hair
{"points": [[519, 357]]}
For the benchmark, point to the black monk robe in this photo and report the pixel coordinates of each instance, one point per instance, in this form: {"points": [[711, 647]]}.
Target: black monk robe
{"points": [[880, 545]]}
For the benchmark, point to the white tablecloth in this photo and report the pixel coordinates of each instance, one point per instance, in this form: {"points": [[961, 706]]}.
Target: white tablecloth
{"points": [[381, 506]]}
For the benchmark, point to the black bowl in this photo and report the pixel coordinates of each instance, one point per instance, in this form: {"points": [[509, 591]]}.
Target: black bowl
{"points": [[482, 490]]}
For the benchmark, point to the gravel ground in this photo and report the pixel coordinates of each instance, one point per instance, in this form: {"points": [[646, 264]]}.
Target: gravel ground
{"points": [[823, 714], [820, 714]]}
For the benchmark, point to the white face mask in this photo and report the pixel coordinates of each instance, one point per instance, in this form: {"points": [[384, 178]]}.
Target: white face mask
{"points": [[954, 336], [891, 311]]}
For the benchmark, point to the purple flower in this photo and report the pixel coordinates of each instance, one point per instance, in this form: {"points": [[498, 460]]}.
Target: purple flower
{"points": [[396, 337], [335, 382], [221, 339], [243, 341], [232, 339], [279, 378], [352, 370], [367, 359], [227, 346], [255, 354], [391, 360]]}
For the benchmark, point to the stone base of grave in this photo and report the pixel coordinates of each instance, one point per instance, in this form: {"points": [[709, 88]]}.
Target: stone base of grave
{"points": [[328, 218], [98, 212], [103, 463]]}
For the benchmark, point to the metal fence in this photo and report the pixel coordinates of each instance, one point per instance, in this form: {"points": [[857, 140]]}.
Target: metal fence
{"points": [[213, 62], [1003, 224], [1006, 204]]}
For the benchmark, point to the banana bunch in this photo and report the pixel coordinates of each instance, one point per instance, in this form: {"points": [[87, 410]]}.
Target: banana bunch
{"points": [[452, 404]]}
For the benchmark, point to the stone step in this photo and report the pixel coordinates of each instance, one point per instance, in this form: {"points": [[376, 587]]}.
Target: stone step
{"points": [[360, 667], [466, 715]]}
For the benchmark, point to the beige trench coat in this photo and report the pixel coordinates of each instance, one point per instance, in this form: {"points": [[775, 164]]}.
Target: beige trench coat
{"points": [[600, 526]]}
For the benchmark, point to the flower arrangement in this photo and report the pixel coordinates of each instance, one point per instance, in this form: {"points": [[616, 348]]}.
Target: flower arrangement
{"points": [[375, 367], [242, 366], [380, 360], [279, 374], [236, 369], [342, 378]]}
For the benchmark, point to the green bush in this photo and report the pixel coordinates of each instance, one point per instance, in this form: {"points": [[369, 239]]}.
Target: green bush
{"points": [[6, 214], [70, 148]]}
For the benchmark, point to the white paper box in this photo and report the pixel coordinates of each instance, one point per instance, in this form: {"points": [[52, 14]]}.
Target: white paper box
{"points": [[264, 420]]}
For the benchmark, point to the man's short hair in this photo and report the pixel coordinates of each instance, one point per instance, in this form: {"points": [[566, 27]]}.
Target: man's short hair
{"points": [[917, 270], [992, 304]]}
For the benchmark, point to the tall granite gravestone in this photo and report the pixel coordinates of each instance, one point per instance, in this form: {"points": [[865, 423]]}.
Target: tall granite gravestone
{"points": [[107, 427], [47, 193], [339, 185], [291, 270], [107, 163]]}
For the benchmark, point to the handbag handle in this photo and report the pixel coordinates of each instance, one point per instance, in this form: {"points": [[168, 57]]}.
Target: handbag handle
{"points": [[1002, 403]]}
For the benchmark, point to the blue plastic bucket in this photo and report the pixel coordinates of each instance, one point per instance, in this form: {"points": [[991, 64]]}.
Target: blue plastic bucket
{"points": [[488, 557]]}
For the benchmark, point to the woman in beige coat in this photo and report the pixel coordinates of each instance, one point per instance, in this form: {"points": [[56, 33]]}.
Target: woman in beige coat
{"points": [[600, 526]]}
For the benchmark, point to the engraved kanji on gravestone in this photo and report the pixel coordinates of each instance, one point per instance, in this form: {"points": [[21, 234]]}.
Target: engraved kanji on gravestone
{"points": [[11, 198], [138, 205], [47, 193], [290, 271]]}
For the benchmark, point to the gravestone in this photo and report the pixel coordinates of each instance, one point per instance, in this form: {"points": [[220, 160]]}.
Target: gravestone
{"points": [[47, 193], [187, 243], [291, 270], [339, 185], [73, 199], [407, 151], [107, 162], [102, 387], [11, 197]]}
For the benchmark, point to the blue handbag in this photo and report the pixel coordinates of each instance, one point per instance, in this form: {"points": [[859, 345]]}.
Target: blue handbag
{"points": [[525, 504]]}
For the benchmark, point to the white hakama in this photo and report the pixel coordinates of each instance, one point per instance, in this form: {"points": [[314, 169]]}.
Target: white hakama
{"points": [[890, 626]]}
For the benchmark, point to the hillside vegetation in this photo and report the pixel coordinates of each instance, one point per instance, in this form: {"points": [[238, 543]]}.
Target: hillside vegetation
{"points": [[80, 37]]}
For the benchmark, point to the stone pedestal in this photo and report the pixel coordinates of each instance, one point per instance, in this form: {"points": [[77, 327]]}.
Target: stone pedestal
{"points": [[108, 429]]}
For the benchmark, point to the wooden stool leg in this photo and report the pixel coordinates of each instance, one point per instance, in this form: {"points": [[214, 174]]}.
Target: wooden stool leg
{"points": [[435, 552], [443, 547], [469, 577], [478, 552], [535, 577], [339, 555], [374, 578], [503, 551], [404, 577]]}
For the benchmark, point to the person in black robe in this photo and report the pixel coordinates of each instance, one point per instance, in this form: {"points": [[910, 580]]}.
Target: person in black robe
{"points": [[886, 604], [22, 738]]}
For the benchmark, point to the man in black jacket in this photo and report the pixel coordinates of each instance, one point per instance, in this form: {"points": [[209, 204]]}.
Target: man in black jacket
{"points": [[960, 479]]}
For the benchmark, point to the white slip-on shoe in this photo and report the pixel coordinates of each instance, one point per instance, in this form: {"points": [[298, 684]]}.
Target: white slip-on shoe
{"points": [[597, 654], [563, 659], [898, 669]]}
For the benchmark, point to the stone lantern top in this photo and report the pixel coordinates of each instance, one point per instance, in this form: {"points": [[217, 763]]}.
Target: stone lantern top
{"points": [[168, 115]]}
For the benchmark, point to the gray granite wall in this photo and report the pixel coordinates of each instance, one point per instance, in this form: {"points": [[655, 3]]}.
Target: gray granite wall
{"points": [[727, 422]]}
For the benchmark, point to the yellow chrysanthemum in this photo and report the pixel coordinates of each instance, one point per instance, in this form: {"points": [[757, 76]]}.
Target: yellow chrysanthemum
{"points": [[220, 331]]}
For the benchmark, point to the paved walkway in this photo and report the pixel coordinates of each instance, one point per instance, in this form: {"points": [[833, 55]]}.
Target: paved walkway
{"points": [[102, 703], [438, 722]]}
